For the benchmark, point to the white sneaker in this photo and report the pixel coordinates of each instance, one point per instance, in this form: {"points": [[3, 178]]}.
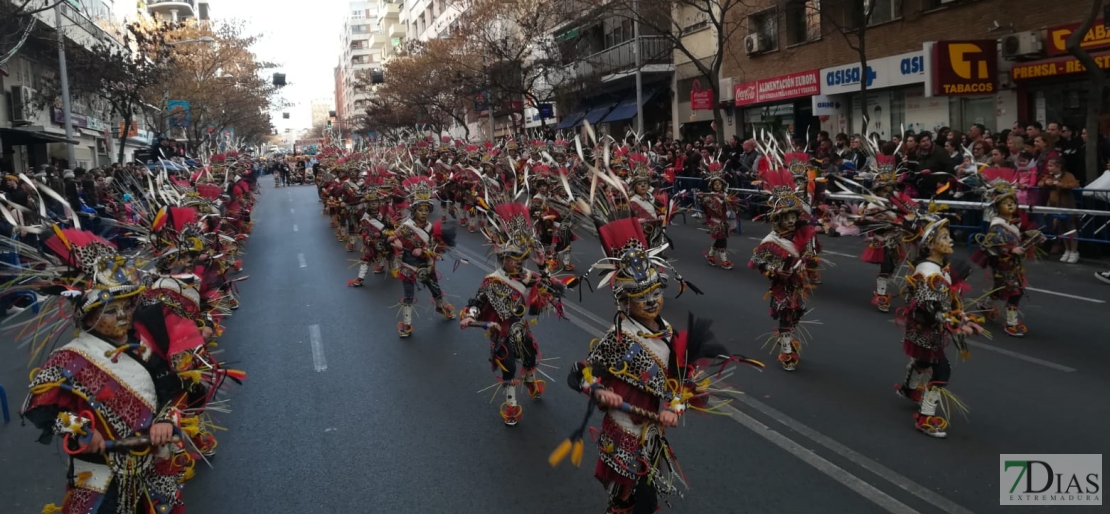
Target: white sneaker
{"points": [[1066, 257], [1103, 276], [1073, 258]]}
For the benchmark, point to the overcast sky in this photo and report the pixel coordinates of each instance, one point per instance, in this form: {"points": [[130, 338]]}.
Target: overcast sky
{"points": [[303, 38]]}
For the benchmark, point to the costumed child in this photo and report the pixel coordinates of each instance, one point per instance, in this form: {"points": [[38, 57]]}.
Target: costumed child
{"points": [[420, 244], [719, 207]]}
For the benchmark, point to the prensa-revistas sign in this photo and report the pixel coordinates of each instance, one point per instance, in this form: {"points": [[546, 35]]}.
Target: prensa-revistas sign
{"points": [[963, 68]]}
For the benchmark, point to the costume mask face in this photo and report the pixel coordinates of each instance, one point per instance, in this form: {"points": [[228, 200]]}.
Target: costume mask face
{"points": [[641, 188], [373, 206], [511, 265], [646, 306], [943, 244], [114, 319], [717, 186], [1007, 207], [420, 214], [883, 192], [786, 223]]}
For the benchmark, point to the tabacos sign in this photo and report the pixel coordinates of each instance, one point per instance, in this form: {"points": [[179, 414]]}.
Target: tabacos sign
{"points": [[963, 68], [895, 70], [1097, 37]]}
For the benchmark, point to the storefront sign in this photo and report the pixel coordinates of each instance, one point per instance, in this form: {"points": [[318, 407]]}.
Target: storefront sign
{"points": [[965, 67], [1097, 37], [1054, 67], [824, 106], [79, 120], [785, 87], [896, 70]]}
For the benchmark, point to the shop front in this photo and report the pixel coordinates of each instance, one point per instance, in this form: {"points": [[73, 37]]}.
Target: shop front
{"points": [[895, 97], [1056, 89], [966, 72], [778, 104]]}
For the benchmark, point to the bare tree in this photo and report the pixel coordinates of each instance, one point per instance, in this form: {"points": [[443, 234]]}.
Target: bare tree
{"points": [[660, 18], [1097, 88], [851, 19]]}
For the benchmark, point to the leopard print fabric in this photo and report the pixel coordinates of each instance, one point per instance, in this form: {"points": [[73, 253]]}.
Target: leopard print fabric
{"points": [[641, 369], [933, 297]]}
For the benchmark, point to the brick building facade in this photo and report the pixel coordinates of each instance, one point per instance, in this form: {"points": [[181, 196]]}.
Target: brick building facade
{"points": [[805, 48]]}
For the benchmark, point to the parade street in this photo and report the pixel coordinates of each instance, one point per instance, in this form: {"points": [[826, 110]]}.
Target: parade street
{"points": [[340, 415]]}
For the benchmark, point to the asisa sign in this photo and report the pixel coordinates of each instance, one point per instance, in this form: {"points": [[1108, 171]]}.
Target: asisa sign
{"points": [[896, 70]]}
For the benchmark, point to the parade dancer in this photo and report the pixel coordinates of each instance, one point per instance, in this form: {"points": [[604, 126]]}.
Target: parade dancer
{"points": [[643, 374], [420, 244], [782, 257], [1006, 245], [719, 207], [107, 393], [504, 300], [649, 209], [882, 221], [374, 228], [933, 317]]}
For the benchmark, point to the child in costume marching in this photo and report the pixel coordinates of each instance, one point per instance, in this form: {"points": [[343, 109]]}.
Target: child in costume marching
{"points": [[644, 374], [420, 244], [1006, 244], [719, 207], [933, 317], [783, 256], [882, 220], [504, 301], [375, 228]]}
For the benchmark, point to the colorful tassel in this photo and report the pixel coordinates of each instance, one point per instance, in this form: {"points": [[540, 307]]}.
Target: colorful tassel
{"points": [[560, 453], [576, 453]]}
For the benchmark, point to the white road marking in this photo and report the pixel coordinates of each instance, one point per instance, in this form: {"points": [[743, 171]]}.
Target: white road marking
{"points": [[294, 228], [806, 455], [291, 211], [1065, 295], [830, 252], [1021, 356], [318, 360], [914, 488], [300, 259]]}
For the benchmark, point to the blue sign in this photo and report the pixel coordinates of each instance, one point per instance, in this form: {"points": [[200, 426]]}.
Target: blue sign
{"points": [[179, 113], [847, 76], [912, 65], [547, 110]]}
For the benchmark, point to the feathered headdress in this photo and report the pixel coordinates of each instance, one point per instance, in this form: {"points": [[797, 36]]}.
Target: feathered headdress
{"points": [[102, 274], [510, 230], [639, 169], [714, 173], [372, 190], [886, 171], [779, 185], [633, 267], [999, 184], [420, 190]]}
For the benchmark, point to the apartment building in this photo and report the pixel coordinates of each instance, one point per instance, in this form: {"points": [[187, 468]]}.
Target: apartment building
{"points": [[931, 63], [32, 132], [321, 109], [177, 10], [358, 57], [429, 19], [391, 31]]}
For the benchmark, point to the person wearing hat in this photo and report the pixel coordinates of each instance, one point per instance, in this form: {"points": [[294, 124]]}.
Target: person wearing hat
{"points": [[719, 207], [1006, 244], [783, 257], [506, 298], [932, 318], [648, 208], [420, 243], [375, 226], [882, 217], [108, 387], [644, 374]]}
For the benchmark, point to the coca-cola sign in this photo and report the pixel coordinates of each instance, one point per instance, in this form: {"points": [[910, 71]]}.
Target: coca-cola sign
{"points": [[784, 87]]}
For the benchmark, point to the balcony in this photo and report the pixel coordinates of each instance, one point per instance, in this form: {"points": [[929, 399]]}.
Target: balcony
{"points": [[174, 10], [378, 41], [395, 30], [389, 10], [656, 52]]}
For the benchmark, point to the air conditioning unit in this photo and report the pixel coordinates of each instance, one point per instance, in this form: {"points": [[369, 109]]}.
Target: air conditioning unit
{"points": [[1021, 45], [755, 44], [23, 108]]}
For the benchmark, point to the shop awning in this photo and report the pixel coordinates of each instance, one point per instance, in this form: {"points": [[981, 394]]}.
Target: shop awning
{"points": [[19, 137], [598, 112], [626, 109], [571, 119]]}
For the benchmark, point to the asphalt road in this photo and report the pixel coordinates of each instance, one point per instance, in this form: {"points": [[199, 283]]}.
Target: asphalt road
{"points": [[339, 414]]}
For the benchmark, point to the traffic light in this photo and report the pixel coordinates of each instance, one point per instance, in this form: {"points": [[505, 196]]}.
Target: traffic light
{"points": [[377, 76], [285, 115], [279, 79]]}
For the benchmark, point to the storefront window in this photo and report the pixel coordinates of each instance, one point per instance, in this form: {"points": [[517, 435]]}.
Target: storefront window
{"points": [[1062, 103], [775, 119], [977, 110]]}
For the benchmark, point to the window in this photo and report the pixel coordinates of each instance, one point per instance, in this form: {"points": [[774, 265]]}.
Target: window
{"points": [[881, 11], [928, 5], [694, 20], [803, 21], [765, 23]]}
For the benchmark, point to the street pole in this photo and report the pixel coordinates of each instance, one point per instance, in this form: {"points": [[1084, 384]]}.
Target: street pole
{"points": [[67, 114], [639, 64], [489, 106]]}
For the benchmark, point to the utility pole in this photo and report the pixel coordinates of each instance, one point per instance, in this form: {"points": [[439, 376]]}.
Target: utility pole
{"points": [[637, 49], [67, 114]]}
